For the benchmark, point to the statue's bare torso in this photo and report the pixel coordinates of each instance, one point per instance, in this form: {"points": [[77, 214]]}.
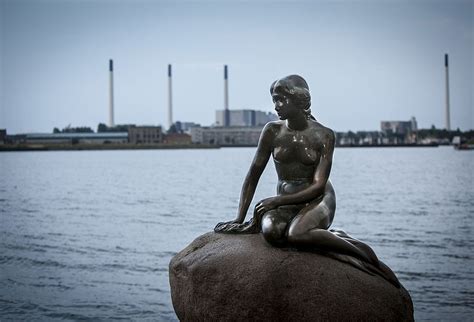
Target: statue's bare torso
{"points": [[296, 154]]}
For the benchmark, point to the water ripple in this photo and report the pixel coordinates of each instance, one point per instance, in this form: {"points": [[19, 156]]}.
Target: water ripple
{"points": [[88, 236]]}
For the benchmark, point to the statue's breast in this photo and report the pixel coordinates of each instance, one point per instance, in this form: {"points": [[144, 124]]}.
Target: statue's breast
{"points": [[295, 148]]}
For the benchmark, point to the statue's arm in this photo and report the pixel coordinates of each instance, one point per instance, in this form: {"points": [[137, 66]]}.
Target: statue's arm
{"points": [[315, 190], [264, 150]]}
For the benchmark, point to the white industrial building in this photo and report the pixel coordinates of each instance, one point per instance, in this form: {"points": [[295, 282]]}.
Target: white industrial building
{"points": [[399, 131], [244, 118], [399, 127]]}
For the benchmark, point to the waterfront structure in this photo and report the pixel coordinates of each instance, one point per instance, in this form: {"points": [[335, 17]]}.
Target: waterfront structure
{"points": [[246, 117], [226, 136], [71, 138], [111, 93], [448, 116], [400, 131], [177, 139], [360, 138], [145, 134]]}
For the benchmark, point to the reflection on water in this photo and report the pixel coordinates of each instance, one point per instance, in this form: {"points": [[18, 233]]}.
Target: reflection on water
{"points": [[89, 235]]}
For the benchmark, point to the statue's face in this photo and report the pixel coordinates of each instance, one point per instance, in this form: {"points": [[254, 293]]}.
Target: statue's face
{"points": [[284, 106]]}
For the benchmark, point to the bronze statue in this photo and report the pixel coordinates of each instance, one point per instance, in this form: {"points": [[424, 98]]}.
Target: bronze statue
{"points": [[302, 211]]}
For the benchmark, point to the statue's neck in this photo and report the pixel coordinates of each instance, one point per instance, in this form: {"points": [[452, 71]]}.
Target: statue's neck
{"points": [[298, 123]]}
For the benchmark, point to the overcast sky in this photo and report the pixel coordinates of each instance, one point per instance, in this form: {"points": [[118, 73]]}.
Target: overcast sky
{"points": [[365, 61]]}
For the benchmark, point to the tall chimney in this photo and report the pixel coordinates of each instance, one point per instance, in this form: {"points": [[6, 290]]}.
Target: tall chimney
{"points": [[226, 98], [448, 117], [170, 98], [111, 93]]}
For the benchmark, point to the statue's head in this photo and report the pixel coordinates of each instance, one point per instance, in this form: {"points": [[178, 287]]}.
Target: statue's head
{"points": [[295, 88]]}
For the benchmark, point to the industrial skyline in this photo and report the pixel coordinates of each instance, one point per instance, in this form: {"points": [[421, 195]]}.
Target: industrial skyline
{"points": [[223, 117], [372, 60]]}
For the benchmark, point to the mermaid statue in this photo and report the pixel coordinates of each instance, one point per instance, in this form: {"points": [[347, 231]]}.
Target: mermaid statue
{"points": [[300, 215]]}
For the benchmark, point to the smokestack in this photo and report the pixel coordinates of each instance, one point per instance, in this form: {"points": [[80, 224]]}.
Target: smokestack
{"points": [[226, 98], [170, 98], [448, 117], [111, 93]]}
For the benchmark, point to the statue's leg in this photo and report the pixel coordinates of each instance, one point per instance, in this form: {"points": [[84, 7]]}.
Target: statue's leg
{"points": [[300, 235], [275, 223], [359, 244], [381, 268], [309, 229]]}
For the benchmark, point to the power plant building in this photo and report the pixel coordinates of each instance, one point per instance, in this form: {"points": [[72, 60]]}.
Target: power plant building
{"points": [[399, 127], [401, 131], [244, 118]]}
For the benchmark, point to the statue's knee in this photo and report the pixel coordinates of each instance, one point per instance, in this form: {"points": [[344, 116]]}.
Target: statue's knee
{"points": [[273, 231]]}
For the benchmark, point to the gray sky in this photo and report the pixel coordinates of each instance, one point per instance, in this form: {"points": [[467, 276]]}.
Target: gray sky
{"points": [[365, 61]]}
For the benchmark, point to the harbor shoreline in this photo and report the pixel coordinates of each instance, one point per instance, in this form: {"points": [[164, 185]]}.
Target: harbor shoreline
{"points": [[98, 147]]}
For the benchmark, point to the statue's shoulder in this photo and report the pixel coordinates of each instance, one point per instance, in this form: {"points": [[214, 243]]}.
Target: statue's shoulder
{"points": [[323, 131], [273, 127], [321, 128]]}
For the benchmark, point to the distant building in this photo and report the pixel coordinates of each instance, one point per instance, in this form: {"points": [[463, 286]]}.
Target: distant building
{"points": [[399, 127], [400, 131], [185, 127], [15, 139], [145, 134], [177, 138], [226, 136], [359, 138], [3, 136], [370, 137], [71, 138], [245, 117]]}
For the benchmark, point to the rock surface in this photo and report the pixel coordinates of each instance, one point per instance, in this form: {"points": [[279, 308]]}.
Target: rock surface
{"points": [[221, 277]]}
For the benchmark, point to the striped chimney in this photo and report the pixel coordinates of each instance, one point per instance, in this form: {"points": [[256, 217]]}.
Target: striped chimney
{"points": [[170, 98], [226, 98], [448, 116], [111, 93]]}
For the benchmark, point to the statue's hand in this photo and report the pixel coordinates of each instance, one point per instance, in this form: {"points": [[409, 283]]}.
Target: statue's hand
{"points": [[265, 205], [227, 225]]}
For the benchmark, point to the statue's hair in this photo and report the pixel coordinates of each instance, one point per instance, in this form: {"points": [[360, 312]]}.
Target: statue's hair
{"points": [[296, 87]]}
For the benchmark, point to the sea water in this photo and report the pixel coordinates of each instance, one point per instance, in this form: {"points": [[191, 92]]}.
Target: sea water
{"points": [[88, 235]]}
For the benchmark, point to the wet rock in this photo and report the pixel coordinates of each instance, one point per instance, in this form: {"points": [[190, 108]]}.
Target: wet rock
{"points": [[221, 277]]}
